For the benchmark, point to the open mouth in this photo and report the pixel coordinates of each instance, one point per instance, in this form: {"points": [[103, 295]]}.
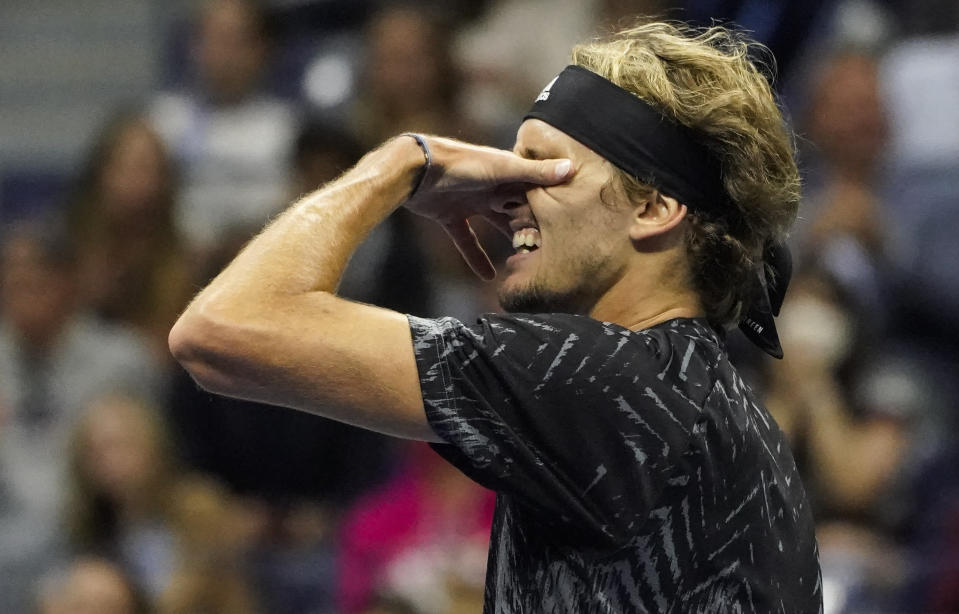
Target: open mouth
{"points": [[526, 240]]}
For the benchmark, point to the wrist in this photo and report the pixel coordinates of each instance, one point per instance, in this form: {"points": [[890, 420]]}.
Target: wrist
{"points": [[411, 159], [421, 178], [384, 178]]}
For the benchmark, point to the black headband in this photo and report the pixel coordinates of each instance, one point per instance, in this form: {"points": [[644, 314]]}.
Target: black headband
{"points": [[666, 155], [633, 136]]}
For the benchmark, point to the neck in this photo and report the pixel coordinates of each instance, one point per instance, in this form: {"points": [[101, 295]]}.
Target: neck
{"points": [[639, 301]]}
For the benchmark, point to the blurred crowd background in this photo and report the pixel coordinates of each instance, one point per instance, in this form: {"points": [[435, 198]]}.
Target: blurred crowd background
{"points": [[142, 142]]}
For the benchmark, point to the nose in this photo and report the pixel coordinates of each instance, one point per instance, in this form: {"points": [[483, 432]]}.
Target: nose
{"points": [[509, 206]]}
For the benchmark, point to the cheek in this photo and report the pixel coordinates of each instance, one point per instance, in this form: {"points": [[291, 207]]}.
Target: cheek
{"points": [[574, 236], [562, 262]]}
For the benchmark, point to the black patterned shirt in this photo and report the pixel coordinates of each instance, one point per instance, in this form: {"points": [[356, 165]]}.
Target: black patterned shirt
{"points": [[635, 471]]}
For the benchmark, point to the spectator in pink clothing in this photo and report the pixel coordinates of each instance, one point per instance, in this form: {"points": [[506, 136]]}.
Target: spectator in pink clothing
{"points": [[421, 538]]}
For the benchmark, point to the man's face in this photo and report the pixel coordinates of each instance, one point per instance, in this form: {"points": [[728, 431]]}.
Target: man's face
{"points": [[36, 295], [402, 60], [229, 51], [580, 230]]}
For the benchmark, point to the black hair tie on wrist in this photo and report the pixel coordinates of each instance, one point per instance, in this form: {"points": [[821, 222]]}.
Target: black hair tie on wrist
{"points": [[421, 141]]}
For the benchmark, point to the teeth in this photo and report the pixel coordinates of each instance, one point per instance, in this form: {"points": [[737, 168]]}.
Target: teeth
{"points": [[526, 238]]}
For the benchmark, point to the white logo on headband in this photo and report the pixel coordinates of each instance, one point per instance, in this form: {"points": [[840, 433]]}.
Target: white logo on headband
{"points": [[545, 93]]}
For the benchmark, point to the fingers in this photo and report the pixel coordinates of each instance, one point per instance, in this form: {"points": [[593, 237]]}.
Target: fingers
{"points": [[469, 247], [464, 167], [512, 168]]}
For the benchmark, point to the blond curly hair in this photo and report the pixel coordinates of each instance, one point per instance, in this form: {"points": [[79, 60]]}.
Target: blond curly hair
{"points": [[707, 80]]}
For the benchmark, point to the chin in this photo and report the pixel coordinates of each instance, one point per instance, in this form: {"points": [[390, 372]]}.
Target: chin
{"points": [[533, 298], [571, 288]]}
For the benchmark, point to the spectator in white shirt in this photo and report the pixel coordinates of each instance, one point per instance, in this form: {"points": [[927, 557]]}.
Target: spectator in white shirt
{"points": [[232, 140]]}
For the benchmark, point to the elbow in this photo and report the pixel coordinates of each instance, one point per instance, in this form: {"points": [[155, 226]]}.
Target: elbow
{"points": [[183, 338], [194, 343]]}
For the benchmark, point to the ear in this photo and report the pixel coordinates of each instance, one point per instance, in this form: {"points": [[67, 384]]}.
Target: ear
{"points": [[656, 216]]}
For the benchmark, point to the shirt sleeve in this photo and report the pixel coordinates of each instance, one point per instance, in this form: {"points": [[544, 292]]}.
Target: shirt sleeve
{"points": [[572, 417]]}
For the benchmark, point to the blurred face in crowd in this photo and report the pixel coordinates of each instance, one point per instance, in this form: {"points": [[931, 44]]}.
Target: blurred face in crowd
{"points": [[135, 174], [402, 64], [92, 587], [231, 50], [119, 449], [580, 244], [847, 120], [36, 292]]}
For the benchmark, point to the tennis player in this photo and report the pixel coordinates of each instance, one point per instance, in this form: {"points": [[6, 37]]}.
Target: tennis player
{"points": [[647, 196]]}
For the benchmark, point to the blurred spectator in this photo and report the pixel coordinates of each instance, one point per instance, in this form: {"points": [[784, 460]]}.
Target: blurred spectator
{"points": [[176, 535], [53, 360], [54, 357], [420, 539], [852, 410], [90, 586], [920, 78], [251, 446], [781, 25], [230, 138], [409, 82], [875, 470], [512, 51], [851, 455], [517, 46], [295, 469], [132, 268], [878, 459], [847, 126], [388, 268], [843, 226]]}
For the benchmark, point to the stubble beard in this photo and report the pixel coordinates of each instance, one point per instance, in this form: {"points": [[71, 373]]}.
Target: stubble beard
{"points": [[537, 297], [532, 298]]}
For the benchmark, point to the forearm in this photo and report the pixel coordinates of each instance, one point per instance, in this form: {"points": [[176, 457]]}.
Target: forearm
{"points": [[269, 327], [308, 246], [270, 318]]}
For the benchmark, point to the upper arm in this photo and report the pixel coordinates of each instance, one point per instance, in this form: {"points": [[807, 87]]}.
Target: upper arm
{"points": [[315, 352]]}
